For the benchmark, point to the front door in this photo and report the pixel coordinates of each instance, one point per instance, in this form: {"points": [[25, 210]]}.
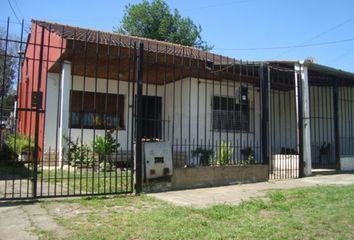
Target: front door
{"points": [[151, 118]]}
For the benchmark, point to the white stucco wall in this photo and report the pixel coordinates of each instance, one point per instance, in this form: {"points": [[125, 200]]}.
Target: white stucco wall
{"points": [[322, 120], [50, 132], [186, 117], [283, 124], [322, 124], [182, 115], [88, 134], [346, 120]]}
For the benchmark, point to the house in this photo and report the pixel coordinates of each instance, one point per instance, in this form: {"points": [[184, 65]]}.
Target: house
{"points": [[80, 83]]}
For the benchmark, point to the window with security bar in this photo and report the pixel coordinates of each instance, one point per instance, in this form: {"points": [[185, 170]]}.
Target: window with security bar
{"points": [[96, 110], [230, 115]]}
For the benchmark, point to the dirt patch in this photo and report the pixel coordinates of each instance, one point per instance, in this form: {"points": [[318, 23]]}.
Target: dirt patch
{"points": [[67, 209], [42, 223]]}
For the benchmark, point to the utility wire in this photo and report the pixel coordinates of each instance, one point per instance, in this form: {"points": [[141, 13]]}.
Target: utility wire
{"points": [[289, 47], [341, 56], [13, 11], [18, 8], [320, 34]]}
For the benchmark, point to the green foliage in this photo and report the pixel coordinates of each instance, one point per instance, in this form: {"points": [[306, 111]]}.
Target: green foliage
{"points": [[79, 154], [319, 212], [19, 143], [204, 155], [8, 71], [248, 156], [7, 153], [155, 20], [15, 145], [106, 145], [223, 155]]}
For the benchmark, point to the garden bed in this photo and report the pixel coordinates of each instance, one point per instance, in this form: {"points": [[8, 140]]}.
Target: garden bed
{"points": [[184, 178]]}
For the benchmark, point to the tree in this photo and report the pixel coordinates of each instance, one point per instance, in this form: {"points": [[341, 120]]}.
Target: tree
{"points": [[7, 63], [155, 20], [8, 67]]}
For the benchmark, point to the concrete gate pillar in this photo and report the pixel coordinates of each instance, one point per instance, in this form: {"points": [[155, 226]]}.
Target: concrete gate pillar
{"points": [[64, 103], [301, 79]]}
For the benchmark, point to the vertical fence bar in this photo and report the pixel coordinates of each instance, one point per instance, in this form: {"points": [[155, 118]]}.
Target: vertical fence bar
{"points": [[336, 122], [300, 125], [38, 109], [139, 111], [264, 112]]}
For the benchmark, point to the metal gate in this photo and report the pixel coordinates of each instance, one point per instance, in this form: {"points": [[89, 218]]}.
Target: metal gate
{"points": [[331, 114], [67, 115], [283, 132], [322, 123]]}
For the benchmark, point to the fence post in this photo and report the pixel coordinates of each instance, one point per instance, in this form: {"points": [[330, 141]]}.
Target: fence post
{"points": [[264, 111], [300, 118], [305, 164], [336, 122], [138, 127], [38, 105]]}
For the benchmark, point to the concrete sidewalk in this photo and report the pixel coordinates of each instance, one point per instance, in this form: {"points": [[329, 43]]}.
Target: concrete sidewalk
{"points": [[235, 194]]}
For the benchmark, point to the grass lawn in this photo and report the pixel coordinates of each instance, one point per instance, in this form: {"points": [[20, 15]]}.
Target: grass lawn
{"points": [[325, 212], [88, 181], [73, 180]]}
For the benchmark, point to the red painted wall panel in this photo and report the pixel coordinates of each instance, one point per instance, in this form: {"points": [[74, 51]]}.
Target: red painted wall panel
{"points": [[53, 46]]}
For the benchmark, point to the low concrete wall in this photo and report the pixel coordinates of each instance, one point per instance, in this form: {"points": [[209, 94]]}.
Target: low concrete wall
{"points": [[347, 163], [184, 178]]}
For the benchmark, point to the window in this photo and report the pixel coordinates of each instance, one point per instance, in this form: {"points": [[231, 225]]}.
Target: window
{"points": [[104, 116], [228, 115]]}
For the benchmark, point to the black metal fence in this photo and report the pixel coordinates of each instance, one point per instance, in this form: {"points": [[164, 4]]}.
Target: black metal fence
{"points": [[77, 105], [331, 113], [283, 123]]}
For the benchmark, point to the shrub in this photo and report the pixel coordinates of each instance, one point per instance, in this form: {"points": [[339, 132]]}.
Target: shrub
{"points": [[15, 145], [248, 156], [204, 155], [224, 154], [79, 154], [105, 146]]}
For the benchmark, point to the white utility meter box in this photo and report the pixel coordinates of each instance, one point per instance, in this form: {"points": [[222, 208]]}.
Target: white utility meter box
{"points": [[158, 159]]}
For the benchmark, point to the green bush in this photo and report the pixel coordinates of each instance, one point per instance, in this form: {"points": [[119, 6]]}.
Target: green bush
{"points": [[224, 154], [19, 143], [79, 154], [204, 155], [15, 145], [105, 146], [248, 156]]}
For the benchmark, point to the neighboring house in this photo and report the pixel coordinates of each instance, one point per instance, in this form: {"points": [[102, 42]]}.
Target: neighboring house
{"points": [[191, 98]]}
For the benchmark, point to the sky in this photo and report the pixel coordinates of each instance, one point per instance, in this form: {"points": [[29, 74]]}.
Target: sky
{"points": [[242, 29]]}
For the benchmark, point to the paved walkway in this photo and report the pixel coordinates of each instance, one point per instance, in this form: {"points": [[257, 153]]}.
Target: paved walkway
{"points": [[25, 220], [235, 194]]}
